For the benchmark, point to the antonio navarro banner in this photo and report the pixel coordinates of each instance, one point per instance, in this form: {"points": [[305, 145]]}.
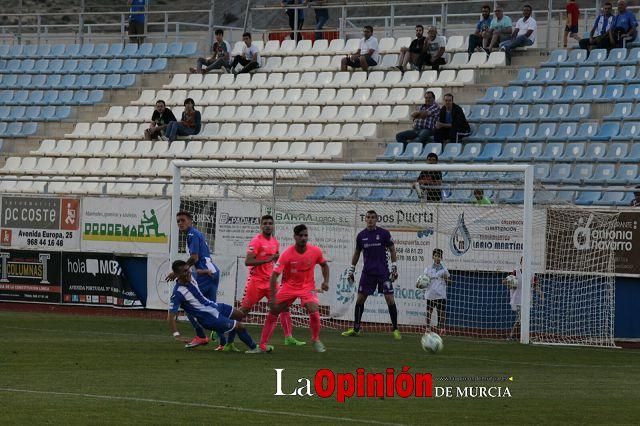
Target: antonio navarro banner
{"points": [[29, 276], [126, 225]]}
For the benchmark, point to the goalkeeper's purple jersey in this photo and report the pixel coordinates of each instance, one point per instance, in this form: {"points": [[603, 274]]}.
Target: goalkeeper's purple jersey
{"points": [[374, 245]]}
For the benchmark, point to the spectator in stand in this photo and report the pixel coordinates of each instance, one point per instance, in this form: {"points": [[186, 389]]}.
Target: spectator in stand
{"points": [[367, 55], [636, 200], [160, 119], [291, 13], [219, 56], [424, 121], [571, 29], [189, 125], [136, 21], [501, 28], [599, 35], [623, 28], [523, 35], [428, 185], [322, 16], [415, 53], [480, 199], [435, 49], [249, 59], [452, 125], [481, 38]]}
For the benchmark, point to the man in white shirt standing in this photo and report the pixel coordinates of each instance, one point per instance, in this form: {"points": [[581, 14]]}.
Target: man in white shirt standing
{"points": [[250, 57], [524, 34], [367, 55]]}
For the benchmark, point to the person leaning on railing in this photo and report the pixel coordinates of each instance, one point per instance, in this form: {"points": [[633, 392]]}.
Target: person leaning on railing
{"points": [[136, 21]]}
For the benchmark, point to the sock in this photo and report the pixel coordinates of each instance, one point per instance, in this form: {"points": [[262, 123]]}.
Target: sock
{"points": [[222, 338], [196, 326], [268, 329], [231, 336], [393, 313], [246, 338], [314, 324], [287, 326], [358, 316]]}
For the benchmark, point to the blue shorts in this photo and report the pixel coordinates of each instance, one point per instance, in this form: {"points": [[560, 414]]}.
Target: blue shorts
{"points": [[208, 285], [223, 323], [369, 283]]}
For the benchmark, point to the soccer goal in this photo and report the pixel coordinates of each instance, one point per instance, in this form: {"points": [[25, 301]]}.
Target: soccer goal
{"points": [[493, 236]]}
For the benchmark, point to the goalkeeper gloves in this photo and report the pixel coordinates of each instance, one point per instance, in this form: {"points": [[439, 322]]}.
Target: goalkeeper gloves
{"points": [[351, 272]]}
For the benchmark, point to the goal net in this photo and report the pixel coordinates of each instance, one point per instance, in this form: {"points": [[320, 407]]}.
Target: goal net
{"points": [[569, 301]]}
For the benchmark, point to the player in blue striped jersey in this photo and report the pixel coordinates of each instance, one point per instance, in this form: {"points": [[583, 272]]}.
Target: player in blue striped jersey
{"points": [[206, 313]]}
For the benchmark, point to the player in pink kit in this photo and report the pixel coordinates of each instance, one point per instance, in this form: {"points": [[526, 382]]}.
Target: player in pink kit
{"points": [[296, 265], [262, 252]]}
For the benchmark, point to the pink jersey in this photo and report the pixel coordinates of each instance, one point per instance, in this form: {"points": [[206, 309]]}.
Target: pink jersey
{"points": [[298, 268], [263, 249]]}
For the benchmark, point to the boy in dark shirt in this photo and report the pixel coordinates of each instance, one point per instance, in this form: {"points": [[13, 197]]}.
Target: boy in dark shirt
{"points": [[161, 117]]}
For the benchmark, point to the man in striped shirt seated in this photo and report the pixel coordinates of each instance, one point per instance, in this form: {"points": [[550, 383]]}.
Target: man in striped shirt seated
{"points": [[424, 121]]}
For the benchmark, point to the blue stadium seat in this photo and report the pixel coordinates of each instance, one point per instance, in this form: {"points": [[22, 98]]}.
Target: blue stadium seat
{"points": [[519, 112], [14, 129], [612, 93], [114, 66], [42, 81], [363, 193], [50, 97], [616, 151], [320, 193], [72, 51], [97, 81], [587, 198], [5, 112], [99, 65], [174, 49], [607, 132], [57, 51], [127, 80], [541, 171], [493, 94], [35, 97], [159, 64], [630, 131], [556, 57], [575, 59], [84, 66], [525, 77], [143, 65], [340, 193], [504, 132], [563, 75], [458, 196], [86, 50], [115, 50], [391, 152], [470, 151], [631, 93], [32, 113], [544, 132], [29, 51], [64, 97], [579, 112], [42, 51], [399, 194], [16, 50], [413, 150], [411, 198], [432, 147], [129, 65], [356, 175], [451, 152], [83, 81], [625, 75], [20, 97], [130, 50], [498, 112], [544, 75], [482, 132], [48, 113], [559, 173], [524, 132], [570, 94], [144, 50], [4, 50], [612, 198], [565, 196], [3, 129], [160, 49], [559, 112], [112, 81], [27, 65], [531, 95], [189, 48], [552, 151], [602, 174], [596, 152], [490, 152], [9, 81], [596, 57], [12, 66], [478, 112], [573, 151], [584, 75], [17, 113], [616, 57], [69, 66], [68, 81], [55, 66], [62, 112], [627, 175], [41, 66], [24, 81], [545, 197], [100, 50], [633, 156], [585, 131], [29, 129], [511, 94], [95, 96], [633, 57], [592, 93]]}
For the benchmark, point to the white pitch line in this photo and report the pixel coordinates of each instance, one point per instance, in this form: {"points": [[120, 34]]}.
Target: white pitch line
{"points": [[198, 405]]}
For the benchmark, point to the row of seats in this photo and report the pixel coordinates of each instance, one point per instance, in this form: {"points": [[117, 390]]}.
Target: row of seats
{"points": [[316, 63], [51, 97], [67, 81], [584, 75], [581, 57], [462, 60], [273, 114], [100, 50], [320, 80], [567, 94], [379, 96], [82, 66], [190, 149], [18, 129], [233, 131], [595, 152], [550, 132], [34, 113], [528, 113]]}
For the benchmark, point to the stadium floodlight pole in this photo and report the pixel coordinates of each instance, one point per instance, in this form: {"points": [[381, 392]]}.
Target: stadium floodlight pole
{"points": [[175, 208], [527, 253]]}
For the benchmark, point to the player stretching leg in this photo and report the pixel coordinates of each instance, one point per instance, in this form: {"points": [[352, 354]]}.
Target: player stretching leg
{"points": [[262, 252], [374, 242], [206, 274], [514, 282], [204, 312], [297, 264], [436, 294]]}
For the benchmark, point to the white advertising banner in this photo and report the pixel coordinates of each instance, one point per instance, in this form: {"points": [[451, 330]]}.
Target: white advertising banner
{"points": [[158, 289], [236, 224], [126, 225]]}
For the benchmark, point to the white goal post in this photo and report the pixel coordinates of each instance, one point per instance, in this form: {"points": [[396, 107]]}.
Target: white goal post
{"points": [[483, 243]]}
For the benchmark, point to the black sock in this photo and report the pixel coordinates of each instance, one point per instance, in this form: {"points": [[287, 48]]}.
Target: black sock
{"points": [[358, 316], [393, 313]]}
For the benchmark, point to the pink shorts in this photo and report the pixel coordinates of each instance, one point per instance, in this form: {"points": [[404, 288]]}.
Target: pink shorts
{"points": [[289, 295], [254, 292]]}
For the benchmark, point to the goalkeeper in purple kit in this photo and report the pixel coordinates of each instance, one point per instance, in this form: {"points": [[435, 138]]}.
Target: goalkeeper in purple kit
{"points": [[374, 242]]}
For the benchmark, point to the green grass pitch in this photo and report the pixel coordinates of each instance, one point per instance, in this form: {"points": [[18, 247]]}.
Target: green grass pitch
{"points": [[64, 369]]}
